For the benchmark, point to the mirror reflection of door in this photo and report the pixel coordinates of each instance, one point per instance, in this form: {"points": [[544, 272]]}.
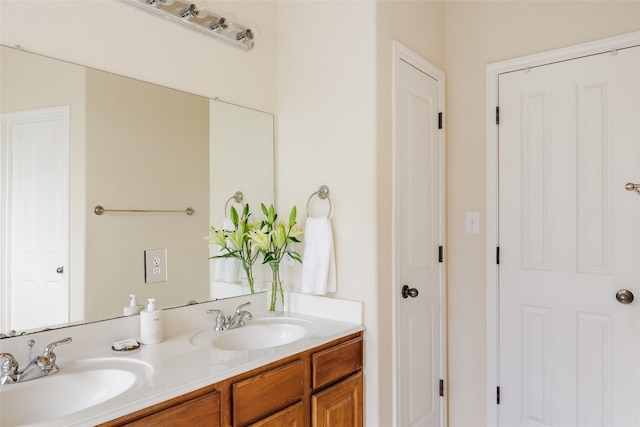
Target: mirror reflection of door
{"points": [[35, 218]]}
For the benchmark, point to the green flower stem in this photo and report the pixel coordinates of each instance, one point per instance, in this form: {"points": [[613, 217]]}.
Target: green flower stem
{"points": [[249, 271], [276, 285]]}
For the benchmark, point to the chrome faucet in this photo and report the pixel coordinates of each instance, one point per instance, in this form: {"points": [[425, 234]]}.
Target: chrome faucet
{"points": [[239, 317], [39, 366], [231, 322]]}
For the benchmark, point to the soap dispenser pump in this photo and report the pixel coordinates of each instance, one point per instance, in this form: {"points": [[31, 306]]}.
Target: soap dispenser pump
{"points": [[133, 307], [151, 323]]}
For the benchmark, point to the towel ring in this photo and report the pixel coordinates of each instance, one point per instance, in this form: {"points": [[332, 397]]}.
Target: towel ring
{"points": [[238, 198], [322, 193]]}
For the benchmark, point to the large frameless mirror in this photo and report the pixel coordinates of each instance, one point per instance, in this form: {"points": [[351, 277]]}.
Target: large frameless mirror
{"points": [[74, 138]]}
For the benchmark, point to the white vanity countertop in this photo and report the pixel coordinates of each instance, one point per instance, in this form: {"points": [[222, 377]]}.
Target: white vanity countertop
{"points": [[179, 366]]}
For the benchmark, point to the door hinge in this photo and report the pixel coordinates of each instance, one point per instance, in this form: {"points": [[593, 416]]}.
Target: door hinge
{"points": [[498, 255], [440, 254], [497, 115], [498, 395], [439, 120], [441, 388]]}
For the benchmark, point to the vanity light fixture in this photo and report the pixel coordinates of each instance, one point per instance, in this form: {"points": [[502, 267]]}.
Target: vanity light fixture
{"points": [[195, 17]]}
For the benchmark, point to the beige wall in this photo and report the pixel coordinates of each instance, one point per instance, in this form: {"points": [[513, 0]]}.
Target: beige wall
{"points": [[326, 135], [479, 33]]}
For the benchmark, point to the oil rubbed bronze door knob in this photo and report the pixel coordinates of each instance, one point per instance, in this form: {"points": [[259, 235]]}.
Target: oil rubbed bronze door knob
{"points": [[409, 292], [624, 296]]}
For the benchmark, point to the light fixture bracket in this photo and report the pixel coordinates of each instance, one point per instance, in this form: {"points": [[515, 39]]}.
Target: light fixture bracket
{"points": [[194, 17]]}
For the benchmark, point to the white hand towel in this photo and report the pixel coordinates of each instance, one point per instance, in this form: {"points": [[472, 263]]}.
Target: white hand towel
{"points": [[319, 261], [226, 269]]}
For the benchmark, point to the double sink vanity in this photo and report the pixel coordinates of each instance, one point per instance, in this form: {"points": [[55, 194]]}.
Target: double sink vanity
{"points": [[300, 368]]}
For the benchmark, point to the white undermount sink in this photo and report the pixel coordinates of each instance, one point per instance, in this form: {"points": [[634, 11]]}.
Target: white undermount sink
{"points": [[77, 386], [255, 335]]}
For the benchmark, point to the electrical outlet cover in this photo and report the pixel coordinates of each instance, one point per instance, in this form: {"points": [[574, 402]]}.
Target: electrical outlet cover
{"points": [[155, 265]]}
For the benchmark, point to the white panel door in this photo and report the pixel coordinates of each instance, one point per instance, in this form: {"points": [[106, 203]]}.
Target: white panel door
{"points": [[36, 145], [419, 320], [569, 141]]}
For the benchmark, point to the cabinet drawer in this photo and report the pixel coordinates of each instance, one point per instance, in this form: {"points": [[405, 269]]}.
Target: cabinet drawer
{"points": [[266, 393], [336, 362], [293, 416], [201, 411]]}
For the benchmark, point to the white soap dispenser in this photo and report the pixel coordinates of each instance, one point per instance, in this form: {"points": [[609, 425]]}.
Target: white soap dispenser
{"points": [[133, 307], [151, 324]]}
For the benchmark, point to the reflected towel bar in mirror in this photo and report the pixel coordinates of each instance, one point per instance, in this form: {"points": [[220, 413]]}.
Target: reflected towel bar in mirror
{"points": [[238, 198], [99, 210]]}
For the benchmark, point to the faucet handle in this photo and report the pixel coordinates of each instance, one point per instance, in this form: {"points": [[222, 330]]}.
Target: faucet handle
{"points": [[220, 319], [9, 365], [242, 307], [48, 350], [8, 369]]}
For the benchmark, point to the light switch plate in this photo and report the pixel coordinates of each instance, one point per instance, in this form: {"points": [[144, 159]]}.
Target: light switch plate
{"points": [[472, 222], [155, 265]]}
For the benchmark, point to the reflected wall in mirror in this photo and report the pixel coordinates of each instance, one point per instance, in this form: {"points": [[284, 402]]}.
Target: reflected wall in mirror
{"points": [[74, 138]]}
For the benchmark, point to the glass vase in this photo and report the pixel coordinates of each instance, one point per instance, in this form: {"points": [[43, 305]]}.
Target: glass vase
{"points": [[277, 293], [248, 269]]}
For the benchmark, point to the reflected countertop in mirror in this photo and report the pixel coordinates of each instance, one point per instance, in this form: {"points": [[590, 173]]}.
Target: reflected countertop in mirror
{"points": [[74, 138]]}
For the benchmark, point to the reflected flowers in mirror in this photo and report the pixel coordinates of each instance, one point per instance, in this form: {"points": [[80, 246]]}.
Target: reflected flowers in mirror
{"points": [[237, 242]]}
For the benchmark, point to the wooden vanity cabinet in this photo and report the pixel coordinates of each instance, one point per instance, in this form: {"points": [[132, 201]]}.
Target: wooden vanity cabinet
{"points": [[320, 387]]}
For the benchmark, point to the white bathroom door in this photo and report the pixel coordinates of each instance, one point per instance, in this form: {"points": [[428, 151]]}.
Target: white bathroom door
{"points": [[569, 141], [36, 213], [418, 285]]}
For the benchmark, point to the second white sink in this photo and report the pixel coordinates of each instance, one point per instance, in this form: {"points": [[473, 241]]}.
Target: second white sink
{"points": [[259, 336], [256, 335]]}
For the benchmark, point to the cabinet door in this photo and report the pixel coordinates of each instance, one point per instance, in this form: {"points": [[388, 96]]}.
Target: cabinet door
{"points": [[199, 412], [339, 405], [293, 416]]}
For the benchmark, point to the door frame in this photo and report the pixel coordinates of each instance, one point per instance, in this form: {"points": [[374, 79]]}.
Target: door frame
{"points": [[493, 72], [403, 53]]}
